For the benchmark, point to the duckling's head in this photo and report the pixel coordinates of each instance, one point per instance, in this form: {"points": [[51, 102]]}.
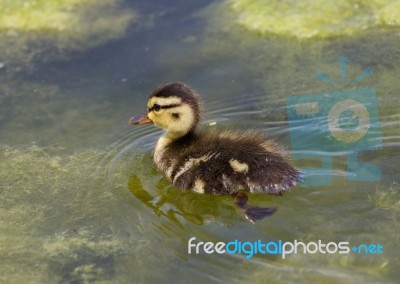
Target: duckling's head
{"points": [[174, 107]]}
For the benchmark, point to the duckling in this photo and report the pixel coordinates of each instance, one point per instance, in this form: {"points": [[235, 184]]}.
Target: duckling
{"points": [[207, 161]]}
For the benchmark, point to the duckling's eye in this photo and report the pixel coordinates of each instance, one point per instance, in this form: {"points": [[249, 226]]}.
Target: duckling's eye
{"points": [[175, 115], [156, 107]]}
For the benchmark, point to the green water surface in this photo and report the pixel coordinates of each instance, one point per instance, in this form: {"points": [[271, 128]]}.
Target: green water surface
{"points": [[80, 198]]}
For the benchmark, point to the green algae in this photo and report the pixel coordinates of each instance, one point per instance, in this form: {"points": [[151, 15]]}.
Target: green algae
{"points": [[388, 198], [32, 176], [315, 19], [67, 213], [59, 223], [92, 257], [44, 29], [279, 67], [39, 188], [28, 108], [35, 15]]}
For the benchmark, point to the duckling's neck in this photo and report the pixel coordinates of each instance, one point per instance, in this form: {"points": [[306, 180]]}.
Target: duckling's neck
{"points": [[166, 139], [174, 135]]}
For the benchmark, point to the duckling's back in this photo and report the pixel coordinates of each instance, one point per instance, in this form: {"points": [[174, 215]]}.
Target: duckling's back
{"points": [[227, 162]]}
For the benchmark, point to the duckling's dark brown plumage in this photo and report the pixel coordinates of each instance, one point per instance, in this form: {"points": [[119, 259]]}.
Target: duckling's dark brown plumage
{"points": [[207, 161], [214, 156]]}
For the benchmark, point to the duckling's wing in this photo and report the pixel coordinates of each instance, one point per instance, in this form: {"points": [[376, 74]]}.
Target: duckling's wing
{"points": [[269, 172], [257, 164], [231, 161]]}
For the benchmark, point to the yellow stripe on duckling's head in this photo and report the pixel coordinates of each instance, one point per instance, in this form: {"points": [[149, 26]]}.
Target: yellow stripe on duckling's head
{"points": [[175, 107]]}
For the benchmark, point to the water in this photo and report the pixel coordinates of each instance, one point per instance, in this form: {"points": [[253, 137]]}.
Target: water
{"points": [[81, 200]]}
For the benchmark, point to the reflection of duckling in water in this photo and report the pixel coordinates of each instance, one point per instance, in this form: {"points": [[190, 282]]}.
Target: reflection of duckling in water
{"points": [[213, 162], [194, 210]]}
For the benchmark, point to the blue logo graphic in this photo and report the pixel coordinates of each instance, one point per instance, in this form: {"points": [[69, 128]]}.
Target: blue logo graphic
{"points": [[344, 122], [368, 249]]}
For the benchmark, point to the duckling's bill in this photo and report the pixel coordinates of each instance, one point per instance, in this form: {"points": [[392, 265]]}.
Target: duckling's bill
{"points": [[140, 119]]}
